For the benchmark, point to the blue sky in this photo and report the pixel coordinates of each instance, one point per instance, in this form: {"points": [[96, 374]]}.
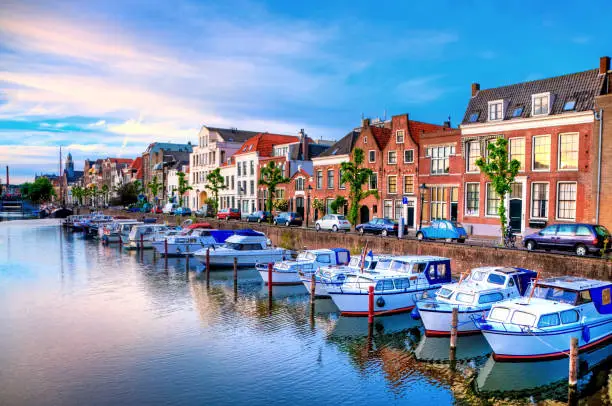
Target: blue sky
{"points": [[106, 78]]}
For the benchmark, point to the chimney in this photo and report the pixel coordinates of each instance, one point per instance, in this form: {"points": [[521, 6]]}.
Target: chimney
{"points": [[365, 123], [475, 89], [304, 140], [604, 65]]}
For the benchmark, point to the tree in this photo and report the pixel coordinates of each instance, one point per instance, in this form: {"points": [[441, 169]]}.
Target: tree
{"points": [[127, 193], [501, 173], [356, 177], [215, 184], [154, 185], [183, 186], [338, 203], [104, 193], [271, 176], [281, 204], [38, 192], [319, 205], [93, 193], [78, 193]]}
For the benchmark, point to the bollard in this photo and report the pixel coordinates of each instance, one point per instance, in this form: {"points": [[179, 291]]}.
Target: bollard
{"points": [[573, 363], [313, 287], [270, 265], [453, 336], [370, 304], [207, 267]]}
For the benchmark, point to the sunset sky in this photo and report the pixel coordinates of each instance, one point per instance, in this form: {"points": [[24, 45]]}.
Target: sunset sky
{"points": [[105, 78]]}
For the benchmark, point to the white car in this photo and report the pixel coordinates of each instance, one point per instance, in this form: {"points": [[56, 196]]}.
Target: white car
{"points": [[334, 222], [169, 208]]}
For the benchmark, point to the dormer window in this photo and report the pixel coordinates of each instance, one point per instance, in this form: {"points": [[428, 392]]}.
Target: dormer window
{"points": [[569, 105], [399, 136], [474, 117], [540, 104], [496, 110], [518, 111]]}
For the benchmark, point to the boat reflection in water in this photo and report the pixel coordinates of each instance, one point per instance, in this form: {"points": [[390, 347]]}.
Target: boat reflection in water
{"points": [[438, 348], [358, 326], [520, 376]]}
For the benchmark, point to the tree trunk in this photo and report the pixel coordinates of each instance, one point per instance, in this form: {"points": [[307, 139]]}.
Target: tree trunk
{"points": [[501, 210]]}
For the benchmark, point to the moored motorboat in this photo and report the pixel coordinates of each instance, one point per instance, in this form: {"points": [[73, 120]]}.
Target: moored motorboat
{"points": [[541, 324], [190, 241], [291, 272], [141, 236], [117, 231], [472, 296]]}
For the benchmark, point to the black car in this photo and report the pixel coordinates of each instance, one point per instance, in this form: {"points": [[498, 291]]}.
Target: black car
{"points": [[258, 216], [288, 218], [382, 226]]}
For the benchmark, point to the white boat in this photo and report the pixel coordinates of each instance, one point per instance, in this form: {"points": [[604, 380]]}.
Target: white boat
{"points": [[248, 247], [472, 296], [190, 241], [117, 231], [288, 272], [142, 235], [540, 325], [335, 275], [394, 292]]}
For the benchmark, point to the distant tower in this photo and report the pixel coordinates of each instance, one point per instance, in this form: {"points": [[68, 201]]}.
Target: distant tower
{"points": [[69, 168]]}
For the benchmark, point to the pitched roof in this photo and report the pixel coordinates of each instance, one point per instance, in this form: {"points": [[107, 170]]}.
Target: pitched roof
{"points": [[343, 146], [581, 87], [416, 128], [136, 163], [120, 160], [169, 146], [381, 135], [264, 143], [233, 134]]}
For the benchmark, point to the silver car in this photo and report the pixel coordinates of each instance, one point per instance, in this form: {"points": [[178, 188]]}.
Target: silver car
{"points": [[334, 222]]}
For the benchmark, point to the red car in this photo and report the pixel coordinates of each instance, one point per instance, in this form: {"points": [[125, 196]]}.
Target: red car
{"points": [[227, 214], [156, 210]]}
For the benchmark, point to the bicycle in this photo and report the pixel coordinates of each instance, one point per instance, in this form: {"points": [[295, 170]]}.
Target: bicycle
{"points": [[509, 238]]}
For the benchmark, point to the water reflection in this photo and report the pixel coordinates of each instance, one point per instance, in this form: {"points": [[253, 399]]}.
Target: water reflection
{"points": [[469, 347]]}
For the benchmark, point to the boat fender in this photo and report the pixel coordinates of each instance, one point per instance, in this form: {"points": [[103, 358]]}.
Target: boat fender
{"points": [[415, 314], [586, 334], [380, 302]]}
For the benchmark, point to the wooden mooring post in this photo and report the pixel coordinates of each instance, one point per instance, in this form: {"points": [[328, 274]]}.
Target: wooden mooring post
{"points": [[235, 279], [141, 247], [453, 334], [370, 305], [313, 288], [207, 267], [166, 253], [572, 394], [187, 259], [270, 267]]}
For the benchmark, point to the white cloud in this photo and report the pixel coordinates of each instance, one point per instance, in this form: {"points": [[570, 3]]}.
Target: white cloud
{"points": [[421, 90]]}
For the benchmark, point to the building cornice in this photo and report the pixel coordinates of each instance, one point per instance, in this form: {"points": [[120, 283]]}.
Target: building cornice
{"points": [[330, 160], [584, 117]]}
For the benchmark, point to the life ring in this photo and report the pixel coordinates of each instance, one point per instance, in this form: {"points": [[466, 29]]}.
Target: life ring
{"points": [[380, 302]]}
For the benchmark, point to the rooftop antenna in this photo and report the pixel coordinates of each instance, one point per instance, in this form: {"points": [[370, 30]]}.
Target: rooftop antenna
{"points": [[385, 115]]}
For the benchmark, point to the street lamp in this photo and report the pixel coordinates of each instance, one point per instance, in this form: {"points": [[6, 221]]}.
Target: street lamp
{"points": [[422, 189], [308, 204]]}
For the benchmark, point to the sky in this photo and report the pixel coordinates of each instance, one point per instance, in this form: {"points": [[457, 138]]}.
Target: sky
{"points": [[106, 78]]}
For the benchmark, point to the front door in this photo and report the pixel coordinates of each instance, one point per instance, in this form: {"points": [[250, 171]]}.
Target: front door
{"points": [[299, 205], [516, 212], [364, 214], [453, 211], [410, 217]]}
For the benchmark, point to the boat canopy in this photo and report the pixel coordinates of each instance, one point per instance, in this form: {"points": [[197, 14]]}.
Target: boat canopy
{"points": [[523, 279], [439, 271], [248, 233], [221, 235], [601, 299], [343, 256]]}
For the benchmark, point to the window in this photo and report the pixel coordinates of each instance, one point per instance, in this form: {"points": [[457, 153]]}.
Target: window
{"points": [[392, 184], [474, 117], [252, 187], [539, 200], [550, 230], [392, 157], [330, 178], [439, 158], [372, 156], [518, 111], [496, 109], [388, 209], [409, 184], [549, 320], [492, 201], [383, 285], [438, 202], [473, 153], [490, 298], [568, 151], [472, 199], [540, 103], [517, 151], [566, 230], [365, 140], [583, 231], [522, 318], [401, 284], [252, 168], [341, 185], [238, 166], [399, 136], [569, 316], [569, 105], [232, 182], [374, 181], [541, 153], [398, 209], [464, 298], [408, 156], [319, 179], [244, 166], [496, 279], [299, 184], [566, 201]]}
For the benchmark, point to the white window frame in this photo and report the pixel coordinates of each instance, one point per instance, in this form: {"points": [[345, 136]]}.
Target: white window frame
{"points": [[467, 157], [486, 202], [577, 134], [370, 183], [384, 207], [465, 199], [503, 112], [531, 201], [404, 185], [369, 156], [524, 151], [333, 183], [557, 201], [389, 156], [396, 188], [538, 95], [408, 162], [533, 153], [399, 133]]}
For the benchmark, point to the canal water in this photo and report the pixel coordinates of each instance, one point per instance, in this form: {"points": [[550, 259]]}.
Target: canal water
{"points": [[85, 323]]}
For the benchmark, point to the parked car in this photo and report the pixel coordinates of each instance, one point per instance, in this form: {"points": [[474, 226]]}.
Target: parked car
{"points": [[334, 222], [205, 211], [580, 238], [443, 230], [156, 210], [382, 226], [227, 214], [288, 218], [258, 216], [169, 208], [133, 209], [182, 211]]}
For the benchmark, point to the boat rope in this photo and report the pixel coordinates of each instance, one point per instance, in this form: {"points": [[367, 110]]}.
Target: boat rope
{"points": [[528, 331]]}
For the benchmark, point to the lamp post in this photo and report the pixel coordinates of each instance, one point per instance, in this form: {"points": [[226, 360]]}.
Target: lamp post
{"points": [[422, 189], [308, 204]]}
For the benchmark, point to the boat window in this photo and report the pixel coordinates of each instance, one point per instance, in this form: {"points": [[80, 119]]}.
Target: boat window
{"points": [[499, 313], [324, 258], [522, 318], [549, 320], [496, 279], [478, 276], [305, 256], [383, 285], [557, 294], [399, 266], [464, 297], [421, 267], [307, 267], [342, 256], [401, 284], [383, 264], [490, 297], [511, 282], [441, 270], [254, 247], [444, 292], [432, 271], [233, 246], [354, 262], [585, 297], [569, 316]]}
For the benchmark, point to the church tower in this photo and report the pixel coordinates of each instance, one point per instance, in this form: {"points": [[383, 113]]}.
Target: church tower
{"points": [[69, 168]]}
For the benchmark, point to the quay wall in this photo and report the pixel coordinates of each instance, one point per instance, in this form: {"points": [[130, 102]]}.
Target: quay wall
{"points": [[464, 256]]}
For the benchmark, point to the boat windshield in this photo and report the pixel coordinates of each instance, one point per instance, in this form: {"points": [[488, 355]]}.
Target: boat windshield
{"points": [[383, 264], [446, 293], [556, 294], [306, 256], [477, 276], [464, 298], [399, 266]]}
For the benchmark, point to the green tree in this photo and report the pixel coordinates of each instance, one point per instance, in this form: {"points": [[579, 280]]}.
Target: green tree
{"points": [[41, 190], [319, 205], [183, 186], [501, 173], [271, 176], [215, 184], [127, 193], [78, 193], [337, 204], [281, 204], [104, 192], [93, 193], [356, 177], [154, 186]]}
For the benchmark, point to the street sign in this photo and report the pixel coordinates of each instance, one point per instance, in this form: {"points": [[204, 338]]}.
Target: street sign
{"points": [[404, 200]]}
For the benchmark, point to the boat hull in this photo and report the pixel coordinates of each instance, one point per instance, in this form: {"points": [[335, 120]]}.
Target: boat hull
{"points": [[244, 259], [177, 250], [281, 278], [356, 304], [438, 323]]}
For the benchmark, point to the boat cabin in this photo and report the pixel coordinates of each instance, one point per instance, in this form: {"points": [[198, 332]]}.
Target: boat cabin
{"points": [[247, 240]]}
